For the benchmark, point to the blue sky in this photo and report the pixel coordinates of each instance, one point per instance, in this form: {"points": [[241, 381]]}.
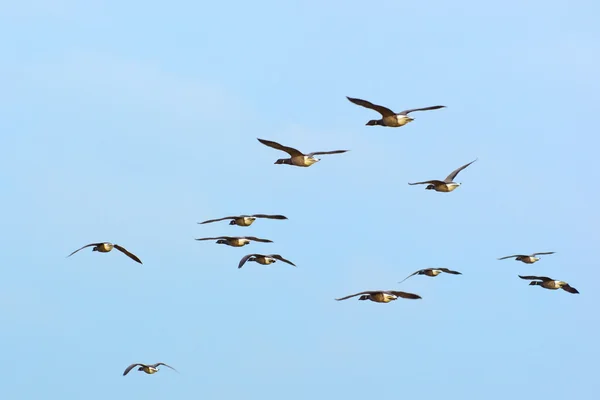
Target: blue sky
{"points": [[131, 122]]}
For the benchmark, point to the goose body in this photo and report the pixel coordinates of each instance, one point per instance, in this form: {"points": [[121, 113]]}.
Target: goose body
{"points": [[297, 158], [382, 296], [244, 220], [236, 241], [549, 283], [447, 185], [432, 272], [388, 117], [263, 259], [527, 258], [105, 247], [147, 368]]}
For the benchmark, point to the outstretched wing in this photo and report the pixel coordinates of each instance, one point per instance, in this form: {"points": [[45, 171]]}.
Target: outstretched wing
{"points": [[166, 365], [218, 219], [127, 253], [290, 150], [81, 248], [449, 271], [570, 289], [316, 153], [405, 295], [356, 294], [216, 238], [406, 112], [516, 255], [269, 216], [384, 111], [278, 257], [130, 368], [433, 182], [539, 254], [452, 175], [413, 274], [257, 239], [245, 258], [536, 278]]}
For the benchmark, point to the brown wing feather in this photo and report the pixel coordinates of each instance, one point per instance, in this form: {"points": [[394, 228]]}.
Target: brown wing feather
{"points": [[516, 255], [413, 274], [449, 271], [316, 153], [570, 289], [539, 254], [131, 367], [384, 111], [216, 238], [269, 216], [290, 150], [127, 253], [245, 258], [357, 294], [434, 182], [406, 112], [166, 365], [256, 239], [405, 295], [453, 174], [87, 245], [536, 278], [278, 257], [218, 219]]}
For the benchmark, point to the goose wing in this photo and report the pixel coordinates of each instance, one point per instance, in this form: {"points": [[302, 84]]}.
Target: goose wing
{"points": [[216, 238], [404, 295], [127, 253], [433, 182], [539, 254], [515, 255], [278, 257], [131, 367], [290, 150], [316, 153], [449, 271], [245, 258], [536, 278], [406, 112], [358, 294], [218, 219], [570, 289], [453, 174], [87, 245], [269, 216], [413, 274], [166, 365], [384, 111], [257, 239]]}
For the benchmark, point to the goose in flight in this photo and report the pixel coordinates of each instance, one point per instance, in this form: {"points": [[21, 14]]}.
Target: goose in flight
{"points": [[147, 368], [297, 158], [548, 283], [244, 220], [236, 241], [527, 259], [382, 296], [448, 184], [390, 118], [105, 247], [432, 272], [263, 259]]}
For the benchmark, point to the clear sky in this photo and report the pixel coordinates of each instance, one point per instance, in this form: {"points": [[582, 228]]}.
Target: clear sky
{"points": [[131, 121]]}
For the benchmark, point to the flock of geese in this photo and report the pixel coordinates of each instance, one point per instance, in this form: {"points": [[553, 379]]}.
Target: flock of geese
{"points": [[299, 159]]}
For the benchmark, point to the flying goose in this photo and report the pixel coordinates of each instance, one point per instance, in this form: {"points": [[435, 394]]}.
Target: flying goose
{"points": [[548, 283], [297, 158], [105, 247], [382, 296], [244, 220], [263, 259], [149, 369], [431, 272], [448, 184], [390, 118], [236, 241], [527, 259]]}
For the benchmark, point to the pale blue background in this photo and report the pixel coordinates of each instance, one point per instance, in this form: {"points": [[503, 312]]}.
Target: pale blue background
{"points": [[130, 121]]}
